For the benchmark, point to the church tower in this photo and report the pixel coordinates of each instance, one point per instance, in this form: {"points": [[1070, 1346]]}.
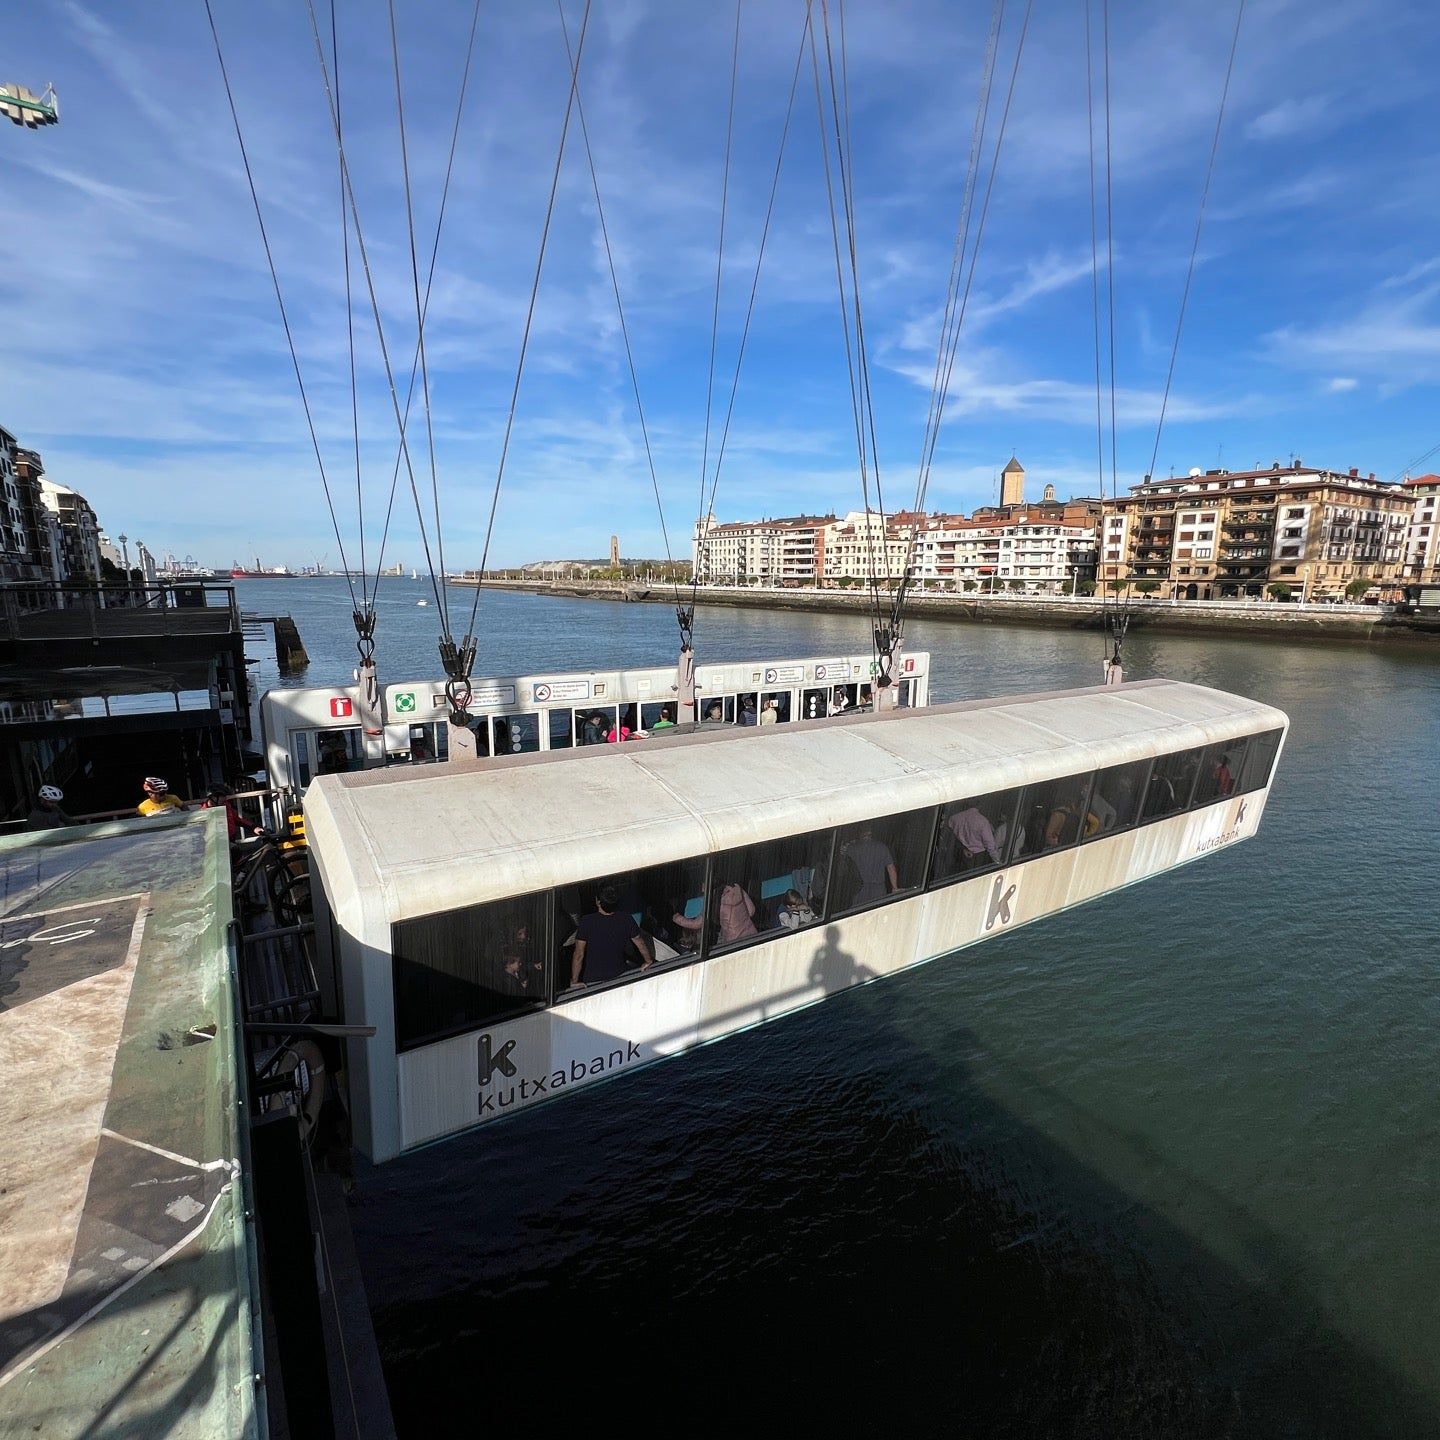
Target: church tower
{"points": [[1012, 483]]}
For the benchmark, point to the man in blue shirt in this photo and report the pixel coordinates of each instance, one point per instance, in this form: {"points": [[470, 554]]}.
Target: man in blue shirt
{"points": [[602, 940]]}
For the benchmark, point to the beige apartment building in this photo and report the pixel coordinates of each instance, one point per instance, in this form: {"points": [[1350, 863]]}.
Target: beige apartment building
{"points": [[1226, 534], [787, 551], [1421, 562], [1038, 555]]}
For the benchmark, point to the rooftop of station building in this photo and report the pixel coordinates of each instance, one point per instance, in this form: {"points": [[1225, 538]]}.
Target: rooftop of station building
{"points": [[126, 1304]]}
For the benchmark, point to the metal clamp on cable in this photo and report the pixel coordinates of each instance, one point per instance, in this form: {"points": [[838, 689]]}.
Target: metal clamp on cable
{"points": [[685, 616], [365, 633], [458, 661]]}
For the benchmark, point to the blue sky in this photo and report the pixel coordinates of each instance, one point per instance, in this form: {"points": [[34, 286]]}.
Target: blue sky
{"points": [[146, 361]]}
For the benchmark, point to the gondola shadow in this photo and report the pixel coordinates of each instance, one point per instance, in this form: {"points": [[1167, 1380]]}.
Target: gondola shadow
{"points": [[823, 1224]]}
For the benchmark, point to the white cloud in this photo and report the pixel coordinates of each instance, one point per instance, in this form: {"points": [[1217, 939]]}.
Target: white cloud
{"points": [[1392, 337], [1295, 117], [1341, 385]]}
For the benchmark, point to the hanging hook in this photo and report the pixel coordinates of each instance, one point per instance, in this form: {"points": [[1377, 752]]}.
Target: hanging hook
{"points": [[458, 661]]}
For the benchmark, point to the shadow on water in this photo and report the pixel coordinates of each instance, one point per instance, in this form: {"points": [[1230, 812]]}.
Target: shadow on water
{"points": [[822, 1223]]}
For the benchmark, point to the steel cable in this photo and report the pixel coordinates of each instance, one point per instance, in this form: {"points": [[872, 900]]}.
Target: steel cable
{"points": [[619, 303], [370, 286], [1199, 226], [964, 302], [444, 594], [279, 297], [530, 311], [429, 280]]}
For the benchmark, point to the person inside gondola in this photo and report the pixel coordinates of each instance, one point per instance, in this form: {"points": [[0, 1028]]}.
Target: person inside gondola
{"points": [[333, 760], [1222, 779], [1069, 822], [974, 837], [796, 912], [735, 912], [603, 939], [874, 864]]}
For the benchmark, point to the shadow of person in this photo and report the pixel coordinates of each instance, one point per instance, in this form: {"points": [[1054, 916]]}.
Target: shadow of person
{"points": [[834, 969]]}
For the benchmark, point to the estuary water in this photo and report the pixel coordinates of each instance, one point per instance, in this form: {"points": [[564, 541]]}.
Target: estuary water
{"points": [[1167, 1165]]}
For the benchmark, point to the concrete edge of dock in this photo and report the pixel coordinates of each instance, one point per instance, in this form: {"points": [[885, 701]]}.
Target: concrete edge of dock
{"points": [[1269, 619]]}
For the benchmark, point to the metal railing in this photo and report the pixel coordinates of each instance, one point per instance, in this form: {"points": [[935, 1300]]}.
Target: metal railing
{"points": [[268, 808], [44, 610]]}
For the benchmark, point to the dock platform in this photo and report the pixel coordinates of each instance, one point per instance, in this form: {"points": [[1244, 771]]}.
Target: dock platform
{"points": [[128, 1290]]}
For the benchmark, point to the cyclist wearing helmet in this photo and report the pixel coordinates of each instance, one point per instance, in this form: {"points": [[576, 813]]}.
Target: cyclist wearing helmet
{"points": [[47, 814], [222, 795], [158, 799]]}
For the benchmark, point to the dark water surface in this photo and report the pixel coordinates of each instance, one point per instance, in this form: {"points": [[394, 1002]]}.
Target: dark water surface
{"points": [[1164, 1166]]}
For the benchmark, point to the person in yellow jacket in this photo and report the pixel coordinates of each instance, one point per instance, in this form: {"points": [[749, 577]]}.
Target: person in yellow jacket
{"points": [[158, 799]]}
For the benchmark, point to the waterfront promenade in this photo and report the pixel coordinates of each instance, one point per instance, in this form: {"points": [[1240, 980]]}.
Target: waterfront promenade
{"points": [[1296, 620]]}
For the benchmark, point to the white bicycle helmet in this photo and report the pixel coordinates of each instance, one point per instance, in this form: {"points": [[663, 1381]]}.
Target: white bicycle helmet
{"points": [[52, 792], [156, 785]]}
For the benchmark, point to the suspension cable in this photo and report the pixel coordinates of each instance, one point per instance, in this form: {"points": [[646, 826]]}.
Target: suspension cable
{"points": [[1114, 610], [961, 308], [865, 417], [954, 308], [686, 620], [619, 303], [1414, 465], [855, 404], [364, 614], [419, 316], [279, 298], [529, 318], [370, 286], [1199, 226], [962, 233], [845, 166], [1110, 248], [429, 280], [759, 262], [1095, 313]]}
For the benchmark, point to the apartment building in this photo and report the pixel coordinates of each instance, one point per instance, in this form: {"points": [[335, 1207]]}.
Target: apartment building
{"points": [[1421, 560], [30, 548], [863, 545], [1038, 556], [777, 552], [1223, 534], [79, 530]]}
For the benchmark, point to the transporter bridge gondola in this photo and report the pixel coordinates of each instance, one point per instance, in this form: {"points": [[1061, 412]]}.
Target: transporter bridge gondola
{"points": [[747, 873]]}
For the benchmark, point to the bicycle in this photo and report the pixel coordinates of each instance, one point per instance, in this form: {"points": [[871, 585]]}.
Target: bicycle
{"points": [[281, 876]]}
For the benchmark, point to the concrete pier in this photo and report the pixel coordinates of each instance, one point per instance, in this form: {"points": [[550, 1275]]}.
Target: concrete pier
{"points": [[1364, 623]]}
